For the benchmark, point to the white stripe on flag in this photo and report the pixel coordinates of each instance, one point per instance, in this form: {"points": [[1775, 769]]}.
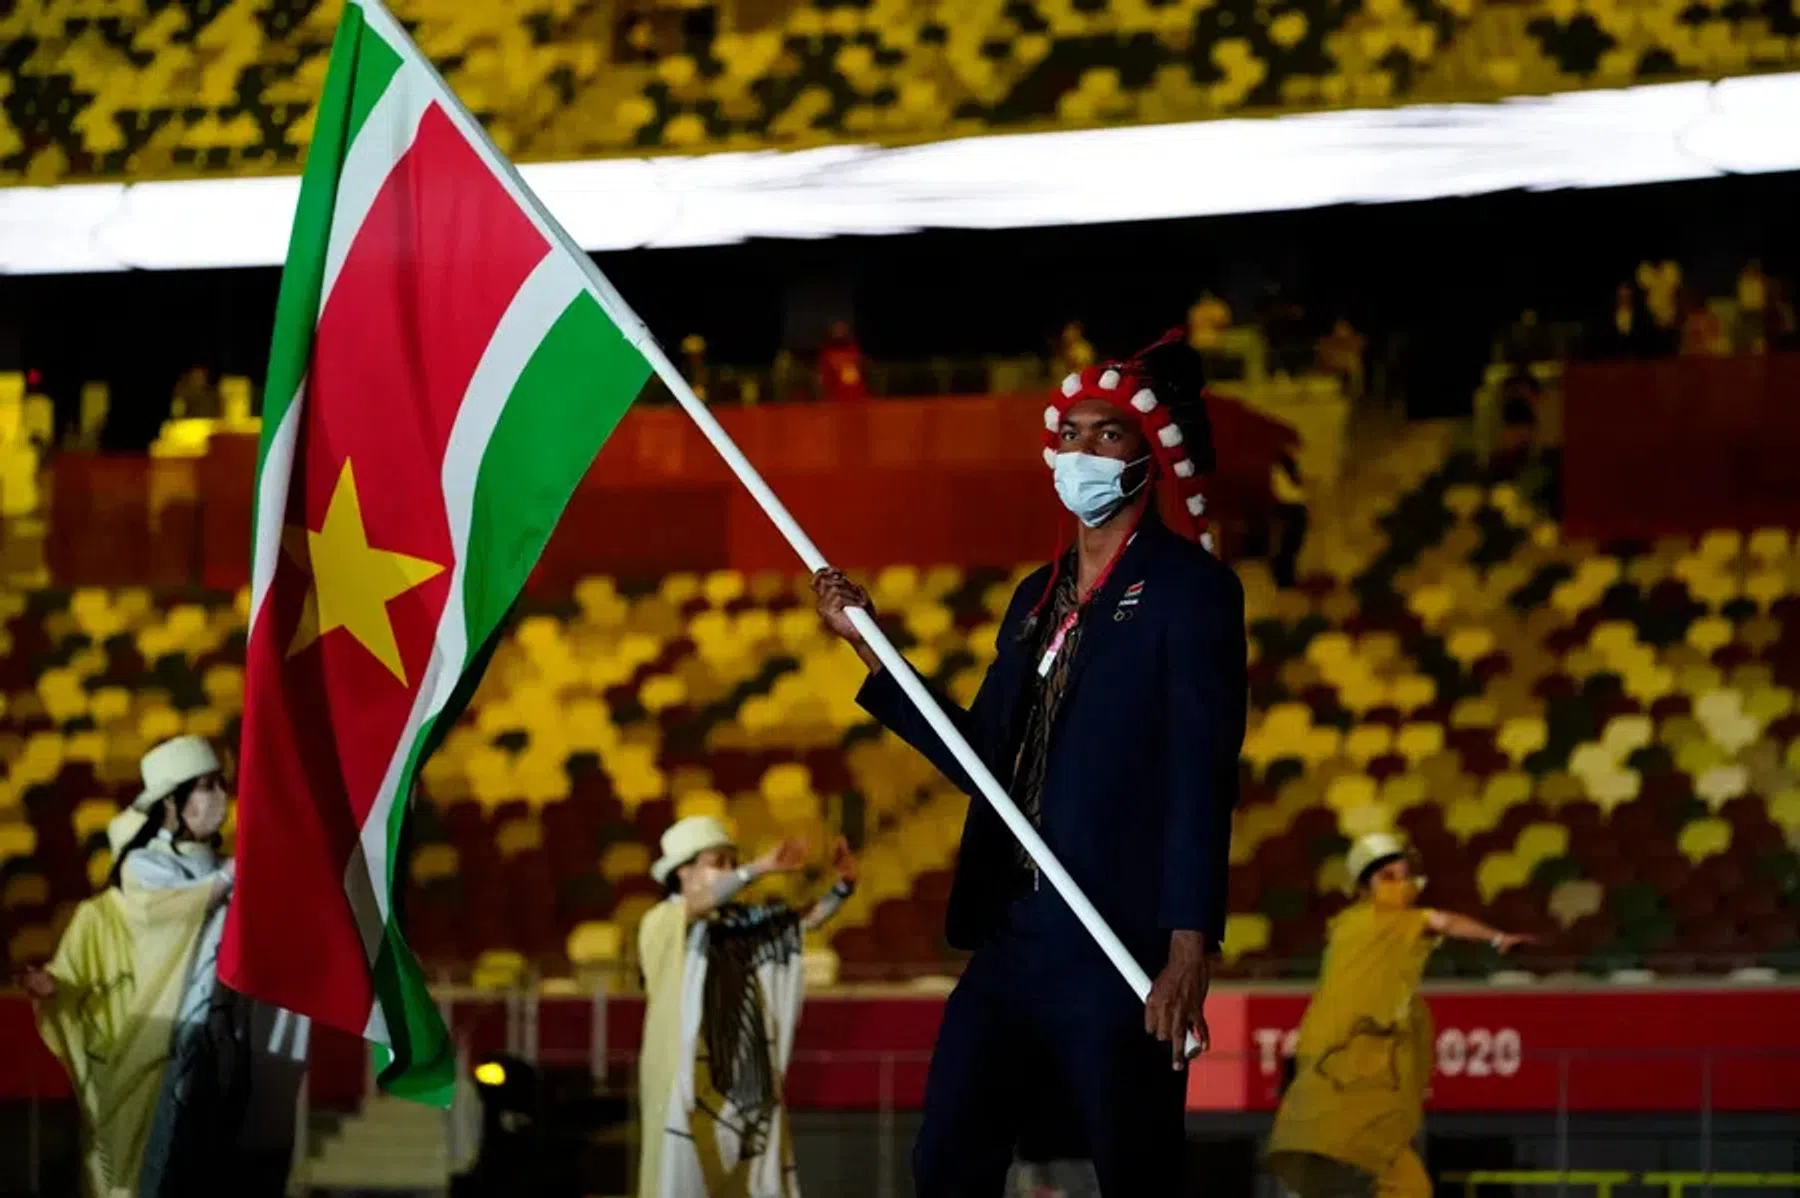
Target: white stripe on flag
{"points": [[272, 480], [386, 135], [541, 300]]}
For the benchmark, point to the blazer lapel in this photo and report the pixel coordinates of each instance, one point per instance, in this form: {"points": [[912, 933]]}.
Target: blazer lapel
{"points": [[1013, 672], [1101, 622]]}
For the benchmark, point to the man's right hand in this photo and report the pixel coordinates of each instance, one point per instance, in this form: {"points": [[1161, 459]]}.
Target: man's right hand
{"points": [[836, 594]]}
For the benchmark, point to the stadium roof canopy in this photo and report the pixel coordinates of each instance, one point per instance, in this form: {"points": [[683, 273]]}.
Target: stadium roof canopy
{"points": [[1652, 134]]}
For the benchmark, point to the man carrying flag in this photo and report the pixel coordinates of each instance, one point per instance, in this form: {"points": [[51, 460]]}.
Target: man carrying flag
{"points": [[1115, 706], [445, 366]]}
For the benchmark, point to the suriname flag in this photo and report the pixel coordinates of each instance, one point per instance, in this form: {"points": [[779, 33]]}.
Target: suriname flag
{"points": [[445, 366]]}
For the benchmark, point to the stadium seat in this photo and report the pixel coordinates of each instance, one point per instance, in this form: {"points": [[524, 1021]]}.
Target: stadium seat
{"points": [[17, 841], [1722, 783], [625, 860], [821, 965], [596, 945], [1705, 838], [434, 863], [498, 969], [1500, 872], [1542, 841], [1576, 899], [24, 890], [1245, 933]]}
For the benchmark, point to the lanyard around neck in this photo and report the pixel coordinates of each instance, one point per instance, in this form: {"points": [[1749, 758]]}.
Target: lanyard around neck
{"points": [[1069, 621]]}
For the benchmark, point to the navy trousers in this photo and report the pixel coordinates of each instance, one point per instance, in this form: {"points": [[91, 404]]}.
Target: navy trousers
{"points": [[1040, 1026]]}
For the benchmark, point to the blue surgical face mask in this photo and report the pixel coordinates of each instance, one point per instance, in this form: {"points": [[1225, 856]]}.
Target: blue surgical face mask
{"points": [[1091, 486]]}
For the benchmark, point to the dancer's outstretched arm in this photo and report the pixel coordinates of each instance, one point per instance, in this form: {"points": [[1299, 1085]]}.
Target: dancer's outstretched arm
{"points": [[720, 886], [1462, 927], [827, 904]]}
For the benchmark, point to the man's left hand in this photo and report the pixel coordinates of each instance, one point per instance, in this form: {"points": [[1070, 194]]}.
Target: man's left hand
{"points": [[1177, 1001]]}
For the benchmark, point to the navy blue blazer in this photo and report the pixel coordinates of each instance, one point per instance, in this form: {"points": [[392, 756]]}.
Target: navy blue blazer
{"points": [[1143, 769]]}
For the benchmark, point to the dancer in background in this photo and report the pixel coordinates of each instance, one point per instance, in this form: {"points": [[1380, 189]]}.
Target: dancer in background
{"points": [[109, 1002], [162, 1057], [230, 1097], [1347, 1123], [723, 982]]}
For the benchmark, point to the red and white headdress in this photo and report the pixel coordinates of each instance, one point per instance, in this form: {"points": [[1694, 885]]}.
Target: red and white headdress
{"points": [[1130, 389]]}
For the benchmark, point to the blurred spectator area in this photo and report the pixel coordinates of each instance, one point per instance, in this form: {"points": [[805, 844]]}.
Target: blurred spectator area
{"points": [[1591, 742], [875, 482], [886, 479], [148, 88]]}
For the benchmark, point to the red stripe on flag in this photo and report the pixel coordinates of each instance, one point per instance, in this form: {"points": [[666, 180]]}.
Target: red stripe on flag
{"points": [[436, 263]]}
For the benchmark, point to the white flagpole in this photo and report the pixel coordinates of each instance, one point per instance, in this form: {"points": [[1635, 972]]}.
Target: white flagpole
{"points": [[635, 331]]}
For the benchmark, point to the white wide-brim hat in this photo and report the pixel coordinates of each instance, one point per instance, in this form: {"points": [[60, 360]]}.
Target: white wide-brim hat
{"points": [[687, 839], [123, 829], [1376, 848], [172, 763]]}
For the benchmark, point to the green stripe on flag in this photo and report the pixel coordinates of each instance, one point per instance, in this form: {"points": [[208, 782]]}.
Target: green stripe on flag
{"points": [[570, 397], [419, 1061], [421, 1064]]}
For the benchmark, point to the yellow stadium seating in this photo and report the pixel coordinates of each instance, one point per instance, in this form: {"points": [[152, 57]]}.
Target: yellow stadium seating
{"points": [[217, 88], [1551, 749]]}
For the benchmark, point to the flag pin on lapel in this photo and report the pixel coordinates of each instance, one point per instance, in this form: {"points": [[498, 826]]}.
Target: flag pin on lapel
{"points": [[1127, 601]]}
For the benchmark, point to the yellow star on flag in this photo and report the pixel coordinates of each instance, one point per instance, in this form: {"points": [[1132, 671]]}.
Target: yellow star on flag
{"points": [[351, 580]]}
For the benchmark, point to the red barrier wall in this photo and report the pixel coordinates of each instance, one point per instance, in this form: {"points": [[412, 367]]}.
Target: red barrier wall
{"points": [[1678, 447], [1590, 1049], [930, 481]]}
